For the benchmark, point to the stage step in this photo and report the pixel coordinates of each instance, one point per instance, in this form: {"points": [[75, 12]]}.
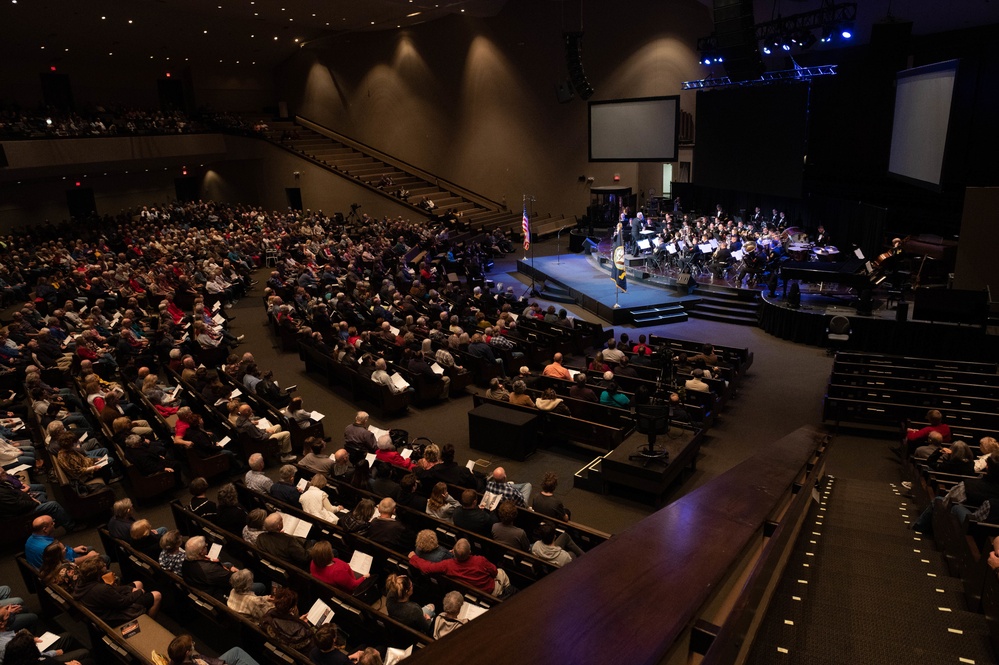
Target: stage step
{"points": [[556, 293], [710, 303], [724, 317], [658, 315]]}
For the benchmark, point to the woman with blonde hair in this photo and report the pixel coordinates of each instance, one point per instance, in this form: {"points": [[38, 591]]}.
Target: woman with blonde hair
{"points": [[440, 504], [398, 591], [316, 502]]}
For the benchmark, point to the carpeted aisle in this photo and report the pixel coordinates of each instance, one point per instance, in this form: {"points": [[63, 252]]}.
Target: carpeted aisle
{"points": [[861, 587]]}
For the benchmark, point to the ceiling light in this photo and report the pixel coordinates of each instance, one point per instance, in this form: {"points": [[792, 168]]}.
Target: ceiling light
{"points": [[413, 14], [296, 40], [766, 50], [846, 34], [104, 18]]}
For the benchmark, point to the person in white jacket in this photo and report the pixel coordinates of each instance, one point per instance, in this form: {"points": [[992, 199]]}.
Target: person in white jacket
{"points": [[316, 502]]}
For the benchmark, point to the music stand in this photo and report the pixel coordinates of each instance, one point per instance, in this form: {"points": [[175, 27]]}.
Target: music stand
{"points": [[652, 420]]}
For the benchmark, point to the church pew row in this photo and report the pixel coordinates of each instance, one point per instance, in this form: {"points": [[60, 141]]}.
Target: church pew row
{"points": [[910, 361], [107, 644], [739, 358], [905, 372], [942, 387], [528, 520], [522, 568], [376, 627], [924, 400], [356, 620], [557, 427], [352, 383], [862, 412]]}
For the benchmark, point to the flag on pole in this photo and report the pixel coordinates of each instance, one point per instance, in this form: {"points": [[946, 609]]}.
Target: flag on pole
{"points": [[526, 226], [618, 271]]}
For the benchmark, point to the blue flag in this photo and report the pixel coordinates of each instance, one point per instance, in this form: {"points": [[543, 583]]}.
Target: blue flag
{"points": [[617, 264]]}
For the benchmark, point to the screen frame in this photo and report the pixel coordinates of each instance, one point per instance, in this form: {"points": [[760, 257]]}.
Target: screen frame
{"points": [[676, 128], [945, 65]]}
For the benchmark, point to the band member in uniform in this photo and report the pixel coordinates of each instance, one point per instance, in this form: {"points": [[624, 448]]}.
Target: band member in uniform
{"points": [[720, 259], [753, 263], [822, 237]]}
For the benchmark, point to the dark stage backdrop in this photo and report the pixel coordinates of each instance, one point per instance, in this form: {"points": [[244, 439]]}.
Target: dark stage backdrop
{"points": [[752, 139]]}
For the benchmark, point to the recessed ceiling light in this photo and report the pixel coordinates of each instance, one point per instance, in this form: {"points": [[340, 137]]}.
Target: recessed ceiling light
{"points": [[130, 21], [104, 18], [109, 53], [372, 23], [252, 36], [206, 32], [296, 40], [43, 48], [275, 39]]}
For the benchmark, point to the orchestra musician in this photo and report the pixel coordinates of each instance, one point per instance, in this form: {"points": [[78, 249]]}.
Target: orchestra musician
{"points": [[720, 259], [753, 264], [822, 237]]}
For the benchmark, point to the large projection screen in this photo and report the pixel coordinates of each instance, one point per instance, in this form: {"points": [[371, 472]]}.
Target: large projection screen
{"points": [[923, 97], [635, 130]]}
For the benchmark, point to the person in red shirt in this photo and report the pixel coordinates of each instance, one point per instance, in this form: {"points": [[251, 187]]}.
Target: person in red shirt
{"points": [[915, 437], [472, 569], [327, 568], [387, 453]]}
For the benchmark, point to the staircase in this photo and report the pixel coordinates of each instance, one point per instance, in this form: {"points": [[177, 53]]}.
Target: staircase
{"points": [[725, 303], [362, 166], [860, 587], [556, 293], [658, 315]]}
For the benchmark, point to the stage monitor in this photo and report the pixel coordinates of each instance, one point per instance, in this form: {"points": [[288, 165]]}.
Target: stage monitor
{"points": [[923, 100], [635, 130], [752, 139]]}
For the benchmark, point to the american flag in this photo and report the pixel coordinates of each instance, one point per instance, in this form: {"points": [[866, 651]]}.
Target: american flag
{"points": [[526, 225]]}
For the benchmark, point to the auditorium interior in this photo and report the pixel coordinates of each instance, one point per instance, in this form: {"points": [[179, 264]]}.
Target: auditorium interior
{"points": [[764, 365]]}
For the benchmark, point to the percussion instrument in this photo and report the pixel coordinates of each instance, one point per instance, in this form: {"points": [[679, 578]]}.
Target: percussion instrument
{"points": [[828, 254], [799, 251], [791, 234]]}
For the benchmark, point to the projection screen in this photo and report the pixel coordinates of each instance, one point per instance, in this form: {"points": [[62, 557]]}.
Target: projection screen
{"points": [[635, 130]]}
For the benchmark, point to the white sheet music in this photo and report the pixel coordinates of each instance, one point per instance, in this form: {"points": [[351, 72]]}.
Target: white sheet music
{"points": [[705, 248], [738, 254], [644, 244], [319, 613], [671, 248], [713, 243], [360, 563]]}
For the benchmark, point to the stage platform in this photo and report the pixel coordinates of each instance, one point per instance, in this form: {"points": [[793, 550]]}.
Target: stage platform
{"points": [[593, 289]]}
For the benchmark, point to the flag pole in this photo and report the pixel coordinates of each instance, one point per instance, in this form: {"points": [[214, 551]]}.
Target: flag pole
{"points": [[617, 290]]}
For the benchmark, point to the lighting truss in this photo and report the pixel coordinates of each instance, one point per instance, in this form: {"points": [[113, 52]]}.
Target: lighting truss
{"points": [[826, 15], [797, 74]]}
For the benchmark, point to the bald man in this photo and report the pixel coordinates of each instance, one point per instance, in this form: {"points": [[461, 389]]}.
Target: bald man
{"points": [[555, 369], [519, 493]]}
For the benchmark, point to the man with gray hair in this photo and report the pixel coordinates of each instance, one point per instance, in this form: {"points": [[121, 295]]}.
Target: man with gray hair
{"points": [[203, 573], [255, 478], [246, 424], [472, 569], [275, 542], [284, 489], [386, 530]]}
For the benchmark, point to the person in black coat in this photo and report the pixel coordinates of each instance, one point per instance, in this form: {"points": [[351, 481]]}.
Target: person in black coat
{"points": [[388, 531], [200, 572], [472, 518], [114, 603]]}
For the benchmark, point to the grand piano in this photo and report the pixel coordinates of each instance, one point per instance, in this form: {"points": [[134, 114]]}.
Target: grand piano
{"points": [[849, 274]]}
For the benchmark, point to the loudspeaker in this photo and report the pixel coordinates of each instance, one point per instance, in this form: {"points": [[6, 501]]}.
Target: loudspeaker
{"points": [[794, 296], [574, 61], [685, 283], [902, 312], [735, 34], [563, 92]]}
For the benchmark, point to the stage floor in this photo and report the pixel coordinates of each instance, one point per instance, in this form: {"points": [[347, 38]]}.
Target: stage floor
{"points": [[575, 272]]}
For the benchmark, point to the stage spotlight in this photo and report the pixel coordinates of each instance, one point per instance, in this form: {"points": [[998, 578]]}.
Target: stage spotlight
{"points": [[827, 34], [706, 61], [847, 33], [766, 50], [786, 47]]}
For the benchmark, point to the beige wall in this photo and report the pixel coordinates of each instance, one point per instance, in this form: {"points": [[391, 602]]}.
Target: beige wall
{"points": [[257, 172], [474, 100]]}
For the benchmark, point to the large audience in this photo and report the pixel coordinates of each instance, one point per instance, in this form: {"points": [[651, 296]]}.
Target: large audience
{"points": [[117, 302]]}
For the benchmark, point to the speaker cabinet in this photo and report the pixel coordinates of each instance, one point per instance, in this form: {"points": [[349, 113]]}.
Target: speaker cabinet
{"points": [[574, 61]]}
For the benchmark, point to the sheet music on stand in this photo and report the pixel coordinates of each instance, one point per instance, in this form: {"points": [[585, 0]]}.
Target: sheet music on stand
{"points": [[705, 248], [671, 249], [644, 244], [713, 243], [738, 254]]}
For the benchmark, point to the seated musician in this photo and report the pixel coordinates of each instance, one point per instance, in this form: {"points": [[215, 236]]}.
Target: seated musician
{"points": [[720, 260], [822, 237], [753, 263]]}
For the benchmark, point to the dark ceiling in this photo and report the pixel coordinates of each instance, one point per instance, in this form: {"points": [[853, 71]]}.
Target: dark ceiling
{"points": [[261, 33]]}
